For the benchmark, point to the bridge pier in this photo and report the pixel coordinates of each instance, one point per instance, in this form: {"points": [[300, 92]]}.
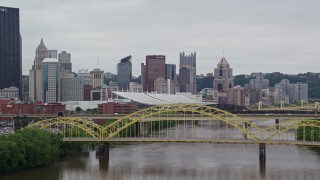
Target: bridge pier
{"points": [[262, 152], [103, 150], [277, 122], [246, 127]]}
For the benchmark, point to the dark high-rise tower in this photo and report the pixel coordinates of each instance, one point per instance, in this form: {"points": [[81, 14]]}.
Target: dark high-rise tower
{"points": [[189, 83], [10, 49], [124, 73]]}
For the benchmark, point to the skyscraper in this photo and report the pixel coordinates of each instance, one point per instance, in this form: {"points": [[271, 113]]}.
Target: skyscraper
{"points": [[35, 76], [155, 68], [171, 72], [65, 62], [143, 77], [50, 80], [223, 78], [184, 78], [259, 83], [124, 73], [96, 78], [10, 49], [71, 87], [189, 62]]}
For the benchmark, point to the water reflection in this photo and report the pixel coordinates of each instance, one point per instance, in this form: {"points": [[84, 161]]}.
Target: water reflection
{"points": [[181, 161]]}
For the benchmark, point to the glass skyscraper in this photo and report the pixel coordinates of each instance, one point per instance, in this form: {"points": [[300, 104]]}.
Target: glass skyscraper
{"points": [[124, 73], [10, 49]]}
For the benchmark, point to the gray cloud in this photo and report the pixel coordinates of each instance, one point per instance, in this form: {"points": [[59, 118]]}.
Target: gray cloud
{"points": [[255, 35]]}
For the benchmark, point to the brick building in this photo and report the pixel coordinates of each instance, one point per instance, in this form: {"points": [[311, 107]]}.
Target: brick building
{"points": [[10, 107], [117, 107]]}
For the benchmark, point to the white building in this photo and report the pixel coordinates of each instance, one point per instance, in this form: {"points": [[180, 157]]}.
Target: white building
{"points": [[135, 87], [96, 78], [50, 68], [11, 92]]}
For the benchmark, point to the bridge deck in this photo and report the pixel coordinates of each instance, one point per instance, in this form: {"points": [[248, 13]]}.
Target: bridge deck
{"points": [[174, 140]]}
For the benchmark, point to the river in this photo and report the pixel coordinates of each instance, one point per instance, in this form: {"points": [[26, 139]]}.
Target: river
{"points": [[162, 161], [182, 161]]}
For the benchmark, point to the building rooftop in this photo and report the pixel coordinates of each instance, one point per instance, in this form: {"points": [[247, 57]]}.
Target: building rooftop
{"points": [[50, 60], [157, 99], [223, 62], [42, 46], [126, 59]]}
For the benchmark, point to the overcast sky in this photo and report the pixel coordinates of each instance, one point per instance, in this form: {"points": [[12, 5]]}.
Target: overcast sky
{"points": [[256, 36]]}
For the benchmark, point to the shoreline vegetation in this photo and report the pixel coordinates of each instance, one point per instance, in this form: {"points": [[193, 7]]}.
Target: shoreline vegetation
{"points": [[32, 148], [28, 148]]}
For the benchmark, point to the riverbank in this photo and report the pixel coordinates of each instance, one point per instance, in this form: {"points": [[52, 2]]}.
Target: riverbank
{"points": [[28, 148]]}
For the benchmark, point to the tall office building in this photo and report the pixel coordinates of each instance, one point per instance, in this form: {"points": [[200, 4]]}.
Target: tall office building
{"points": [[50, 80], [235, 96], [71, 88], [188, 59], [10, 49], [291, 93], [35, 77], [171, 72], [65, 62], [124, 73], [96, 78], [155, 68], [184, 79], [259, 82], [143, 77], [188, 62], [223, 76]]}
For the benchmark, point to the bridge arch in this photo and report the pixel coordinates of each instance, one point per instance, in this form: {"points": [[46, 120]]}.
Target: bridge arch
{"points": [[245, 126], [285, 126], [89, 127]]}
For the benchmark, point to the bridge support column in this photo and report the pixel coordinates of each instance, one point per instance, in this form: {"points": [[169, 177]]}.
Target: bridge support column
{"points": [[137, 130], [196, 122], [103, 150], [262, 152], [246, 127], [277, 122], [143, 128]]}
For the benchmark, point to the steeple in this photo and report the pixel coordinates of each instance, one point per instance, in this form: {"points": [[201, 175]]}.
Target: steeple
{"points": [[41, 54], [41, 47], [223, 63]]}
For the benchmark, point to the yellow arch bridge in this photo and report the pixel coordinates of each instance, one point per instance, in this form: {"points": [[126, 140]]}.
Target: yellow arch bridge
{"points": [[191, 123]]}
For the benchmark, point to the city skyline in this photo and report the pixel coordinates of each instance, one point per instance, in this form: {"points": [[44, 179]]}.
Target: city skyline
{"points": [[255, 37]]}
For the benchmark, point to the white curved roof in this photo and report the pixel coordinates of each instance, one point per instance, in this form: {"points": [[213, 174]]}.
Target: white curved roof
{"points": [[157, 99]]}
